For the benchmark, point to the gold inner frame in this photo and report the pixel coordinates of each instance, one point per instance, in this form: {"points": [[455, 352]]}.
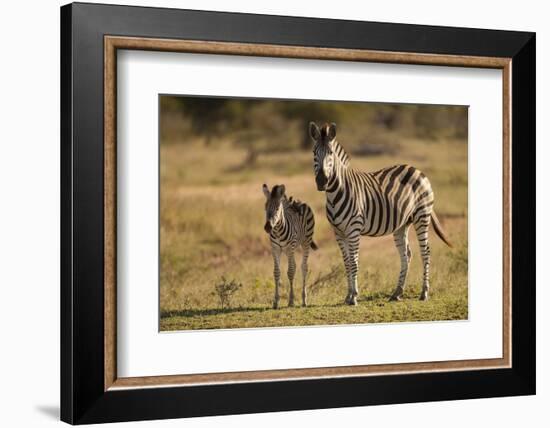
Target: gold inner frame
{"points": [[113, 43]]}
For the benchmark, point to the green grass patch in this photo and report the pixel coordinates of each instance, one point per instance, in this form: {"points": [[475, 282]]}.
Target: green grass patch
{"points": [[371, 309]]}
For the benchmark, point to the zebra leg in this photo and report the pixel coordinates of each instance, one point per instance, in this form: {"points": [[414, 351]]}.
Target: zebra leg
{"points": [[401, 239], [276, 251], [304, 274], [353, 253], [421, 226], [344, 249], [291, 272]]}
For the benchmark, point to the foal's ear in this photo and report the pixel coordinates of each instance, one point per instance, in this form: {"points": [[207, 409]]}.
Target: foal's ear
{"points": [[314, 131], [331, 132], [266, 190]]}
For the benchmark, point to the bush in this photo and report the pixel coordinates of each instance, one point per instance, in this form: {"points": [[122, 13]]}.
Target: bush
{"points": [[225, 291]]}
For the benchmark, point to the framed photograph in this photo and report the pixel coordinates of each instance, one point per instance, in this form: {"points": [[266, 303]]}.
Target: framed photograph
{"points": [[266, 213]]}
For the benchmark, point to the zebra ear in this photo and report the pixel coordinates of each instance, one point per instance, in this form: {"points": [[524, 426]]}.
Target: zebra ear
{"points": [[314, 131], [280, 190], [331, 131], [266, 190]]}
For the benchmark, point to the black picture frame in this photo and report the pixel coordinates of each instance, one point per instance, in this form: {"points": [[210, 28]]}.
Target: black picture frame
{"points": [[83, 399]]}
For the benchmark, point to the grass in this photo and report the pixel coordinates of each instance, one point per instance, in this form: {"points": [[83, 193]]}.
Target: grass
{"points": [[212, 227], [372, 309]]}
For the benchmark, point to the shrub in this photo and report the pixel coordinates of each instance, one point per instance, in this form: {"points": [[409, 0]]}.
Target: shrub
{"points": [[225, 291]]}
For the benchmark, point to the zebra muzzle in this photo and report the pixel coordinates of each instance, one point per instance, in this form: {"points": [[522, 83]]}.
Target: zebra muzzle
{"points": [[267, 227], [321, 181]]}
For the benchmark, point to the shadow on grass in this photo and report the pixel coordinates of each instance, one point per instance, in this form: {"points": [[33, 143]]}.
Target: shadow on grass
{"points": [[377, 296], [211, 311], [189, 313]]}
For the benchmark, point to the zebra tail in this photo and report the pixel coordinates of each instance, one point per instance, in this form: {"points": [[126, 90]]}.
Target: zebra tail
{"points": [[314, 246], [439, 230]]}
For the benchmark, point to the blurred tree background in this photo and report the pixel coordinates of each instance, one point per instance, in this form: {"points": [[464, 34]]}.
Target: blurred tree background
{"points": [[265, 126]]}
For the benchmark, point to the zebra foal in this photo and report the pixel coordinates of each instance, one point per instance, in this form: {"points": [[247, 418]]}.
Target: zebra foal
{"points": [[373, 204], [290, 225]]}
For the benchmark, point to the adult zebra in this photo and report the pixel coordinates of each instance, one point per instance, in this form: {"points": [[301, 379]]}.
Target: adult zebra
{"points": [[290, 225], [373, 204]]}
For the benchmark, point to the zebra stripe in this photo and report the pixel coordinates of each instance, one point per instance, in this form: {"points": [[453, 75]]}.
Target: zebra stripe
{"points": [[290, 224], [373, 204]]}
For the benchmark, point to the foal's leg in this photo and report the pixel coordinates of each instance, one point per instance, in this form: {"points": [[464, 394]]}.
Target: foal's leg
{"points": [[291, 272], [421, 226], [304, 273], [401, 239], [276, 252]]}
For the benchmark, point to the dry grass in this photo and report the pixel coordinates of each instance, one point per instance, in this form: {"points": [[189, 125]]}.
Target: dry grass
{"points": [[211, 226]]}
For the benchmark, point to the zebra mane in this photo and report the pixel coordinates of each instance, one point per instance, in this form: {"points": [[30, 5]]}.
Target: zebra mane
{"points": [[277, 192], [295, 204], [340, 153]]}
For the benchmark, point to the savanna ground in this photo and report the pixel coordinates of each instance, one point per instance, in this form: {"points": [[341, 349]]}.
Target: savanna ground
{"points": [[211, 233]]}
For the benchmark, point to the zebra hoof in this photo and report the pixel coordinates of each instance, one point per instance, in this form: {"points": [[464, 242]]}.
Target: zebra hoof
{"points": [[424, 296], [275, 305], [395, 298], [353, 301], [291, 304]]}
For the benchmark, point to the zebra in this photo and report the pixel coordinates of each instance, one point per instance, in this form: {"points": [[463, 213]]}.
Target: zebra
{"points": [[290, 225], [373, 204]]}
